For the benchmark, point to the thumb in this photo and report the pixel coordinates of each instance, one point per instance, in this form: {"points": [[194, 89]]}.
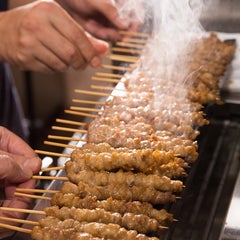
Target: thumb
{"points": [[13, 169], [100, 46]]}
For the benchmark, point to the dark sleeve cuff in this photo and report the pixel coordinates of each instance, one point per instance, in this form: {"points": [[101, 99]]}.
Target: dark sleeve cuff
{"points": [[3, 5]]}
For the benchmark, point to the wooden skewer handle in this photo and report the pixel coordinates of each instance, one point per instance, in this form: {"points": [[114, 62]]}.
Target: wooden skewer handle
{"points": [[14, 228], [22, 210], [19, 221], [50, 178], [52, 154], [31, 196], [35, 190]]}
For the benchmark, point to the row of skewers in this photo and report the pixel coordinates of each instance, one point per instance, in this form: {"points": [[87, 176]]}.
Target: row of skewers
{"points": [[138, 150]]}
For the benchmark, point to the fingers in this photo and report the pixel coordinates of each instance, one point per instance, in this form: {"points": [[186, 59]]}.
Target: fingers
{"points": [[15, 202], [109, 10], [71, 44], [101, 46], [101, 31], [9, 142], [17, 169], [79, 49], [45, 38], [18, 160]]}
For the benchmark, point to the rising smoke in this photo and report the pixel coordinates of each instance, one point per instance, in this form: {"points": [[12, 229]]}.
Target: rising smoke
{"points": [[175, 28]]}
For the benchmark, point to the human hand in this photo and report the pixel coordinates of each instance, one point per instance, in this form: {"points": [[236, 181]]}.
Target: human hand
{"points": [[18, 162], [101, 18], [43, 37]]}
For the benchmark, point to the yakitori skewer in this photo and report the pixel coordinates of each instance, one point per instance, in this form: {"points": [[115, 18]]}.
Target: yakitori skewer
{"points": [[69, 129], [118, 68], [54, 154], [10, 209], [88, 102], [85, 109], [58, 120], [101, 87], [52, 169], [59, 144], [123, 58], [111, 75], [32, 195], [104, 79], [66, 138], [14, 228], [82, 216], [91, 93], [130, 45], [50, 178], [82, 114], [33, 190], [126, 50], [16, 220]]}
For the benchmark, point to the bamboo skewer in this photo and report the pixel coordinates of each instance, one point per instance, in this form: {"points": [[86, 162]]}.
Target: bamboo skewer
{"points": [[52, 169], [122, 58], [107, 88], [28, 190], [69, 129], [27, 222], [71, 122], [88, 102], [59, 144], [54, 154], [130, 45], [22, 210], [111, 75], [91, 93], [119, 68], [100, 87], [85, 109], [135, 34], [22, 221], [80, 114], [14, 228], [67, 138], [126, 50], [32, 196], [104, 79], [49, 178]]}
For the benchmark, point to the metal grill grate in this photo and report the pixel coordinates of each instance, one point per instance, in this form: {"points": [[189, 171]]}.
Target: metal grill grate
{"points": [[202, 209]]}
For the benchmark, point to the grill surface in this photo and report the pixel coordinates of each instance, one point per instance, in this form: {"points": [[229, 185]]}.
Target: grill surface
{"points": [[202, 209]]}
